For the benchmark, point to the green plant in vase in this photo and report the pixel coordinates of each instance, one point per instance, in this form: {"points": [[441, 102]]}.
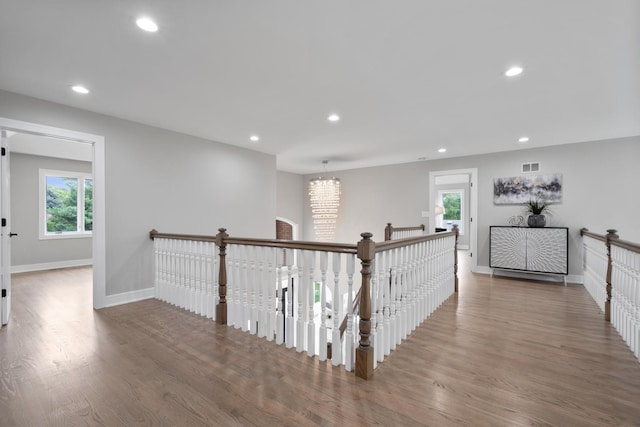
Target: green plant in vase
{"points": [[537, 208]]}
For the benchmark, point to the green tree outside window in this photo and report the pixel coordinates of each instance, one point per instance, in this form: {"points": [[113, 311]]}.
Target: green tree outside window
{"points": [[452, 204]]}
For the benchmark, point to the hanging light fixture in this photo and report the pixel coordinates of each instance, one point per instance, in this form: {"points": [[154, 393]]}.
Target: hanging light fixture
{"points": [[324, 198]]}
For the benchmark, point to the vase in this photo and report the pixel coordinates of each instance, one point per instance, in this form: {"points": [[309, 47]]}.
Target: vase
{"points": [[537, 221]]}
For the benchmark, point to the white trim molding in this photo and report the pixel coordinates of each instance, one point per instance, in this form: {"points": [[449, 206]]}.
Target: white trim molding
{"points": [[128, 297], [51, 265], [99, 178]]}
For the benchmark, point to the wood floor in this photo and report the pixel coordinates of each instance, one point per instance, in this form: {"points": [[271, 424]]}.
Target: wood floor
{"points": [[501, 353]]}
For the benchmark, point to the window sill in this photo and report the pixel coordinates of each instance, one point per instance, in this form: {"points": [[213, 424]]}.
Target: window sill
{"points": [[65, 236]]}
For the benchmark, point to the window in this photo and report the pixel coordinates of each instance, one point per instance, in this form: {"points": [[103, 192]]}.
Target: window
{"points": [[66, 204], [453, 203]]}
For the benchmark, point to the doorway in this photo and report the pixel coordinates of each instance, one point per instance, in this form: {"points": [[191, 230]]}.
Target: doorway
{"points": [[458, 190], [98, 172]]}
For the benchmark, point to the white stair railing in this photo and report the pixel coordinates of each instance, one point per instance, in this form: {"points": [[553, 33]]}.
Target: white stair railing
{"points": [[186, 274], [625, 295], [242, 283], [399, 233], [594, 265], [411, 282], [620, 261]]}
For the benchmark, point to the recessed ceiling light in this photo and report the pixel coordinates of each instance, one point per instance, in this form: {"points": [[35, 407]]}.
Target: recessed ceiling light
{"points": [[523, 139], [513, 71], [333, 118], [80, 89], [147, 25], [442, 150], [254, 138]]}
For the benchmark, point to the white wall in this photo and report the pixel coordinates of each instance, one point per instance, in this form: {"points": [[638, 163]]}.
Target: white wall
{"points": [[164, 180], [27, 249], [600, 191], [372, 197], [290, 197]]}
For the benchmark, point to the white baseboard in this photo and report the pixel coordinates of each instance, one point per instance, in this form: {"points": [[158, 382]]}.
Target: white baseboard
{"points": [[50, 265], [483, 269], [127, 297]]}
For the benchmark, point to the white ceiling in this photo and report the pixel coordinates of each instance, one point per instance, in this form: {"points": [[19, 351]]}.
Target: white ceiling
{"points": [[407, 76]]}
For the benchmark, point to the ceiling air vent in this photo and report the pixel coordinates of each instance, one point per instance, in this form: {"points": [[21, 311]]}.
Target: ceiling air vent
{"points": [[531, 167]]}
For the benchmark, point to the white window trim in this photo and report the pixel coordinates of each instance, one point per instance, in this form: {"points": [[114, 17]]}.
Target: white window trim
{"points": [[42, 212]]}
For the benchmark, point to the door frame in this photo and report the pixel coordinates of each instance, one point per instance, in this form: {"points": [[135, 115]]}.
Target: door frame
{"points": [[99, 210], [473, 206]]}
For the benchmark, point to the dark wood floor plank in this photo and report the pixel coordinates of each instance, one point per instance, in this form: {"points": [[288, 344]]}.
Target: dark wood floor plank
{"points": [[500, 353]]}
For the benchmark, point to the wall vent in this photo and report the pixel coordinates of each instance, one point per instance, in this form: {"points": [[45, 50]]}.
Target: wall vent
{"points": [[531, 167]]}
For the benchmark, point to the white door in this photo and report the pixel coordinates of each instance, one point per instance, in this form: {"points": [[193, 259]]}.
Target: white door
{"points": [[5, 240]]}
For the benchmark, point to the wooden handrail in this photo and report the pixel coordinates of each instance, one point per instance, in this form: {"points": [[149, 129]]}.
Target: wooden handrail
{"points": [[153, 234], [392, 244], [343, 248], [633, 247], [586, 232], [625, 244]]}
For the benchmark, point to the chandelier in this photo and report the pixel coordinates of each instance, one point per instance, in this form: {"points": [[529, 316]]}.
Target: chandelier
{"points": [[324, 198]]}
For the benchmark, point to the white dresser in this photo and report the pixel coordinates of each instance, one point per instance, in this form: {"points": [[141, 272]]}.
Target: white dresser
{"points": [[539, 250]]}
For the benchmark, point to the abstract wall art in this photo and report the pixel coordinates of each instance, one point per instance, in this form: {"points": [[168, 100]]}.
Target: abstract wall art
{"points": [[521, 189]]}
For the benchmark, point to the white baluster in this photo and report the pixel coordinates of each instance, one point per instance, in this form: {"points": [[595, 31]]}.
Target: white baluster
{"points": [[208, 274], [322, 342], [260, 291], [393, 320], [373, 332], [171, 270], [180, 274], [191, 275], [198, 274], [336, 342], [382, 290], [231, 259], [385, 266], [156, 265], [279, 316], [412, 289], [290, 325], [311, 324], [636, 299], [246, 275], [301, 291], [272, 300], [349, 336], [253, 298], [165, 270], [186, 276], [402, 302]]}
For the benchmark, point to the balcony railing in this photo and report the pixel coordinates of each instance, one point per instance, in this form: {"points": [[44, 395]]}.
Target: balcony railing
{"points": [[611, 269], [297, 293]]}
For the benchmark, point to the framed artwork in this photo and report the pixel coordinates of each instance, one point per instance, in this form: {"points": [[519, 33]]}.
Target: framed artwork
{"points": [[521, 189]]}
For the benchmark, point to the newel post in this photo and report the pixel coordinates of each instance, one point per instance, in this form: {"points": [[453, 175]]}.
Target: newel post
{"points": [[611, 235], [153, 233], [387, 232], [364, 352], [221, 308], [455, 257]]}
